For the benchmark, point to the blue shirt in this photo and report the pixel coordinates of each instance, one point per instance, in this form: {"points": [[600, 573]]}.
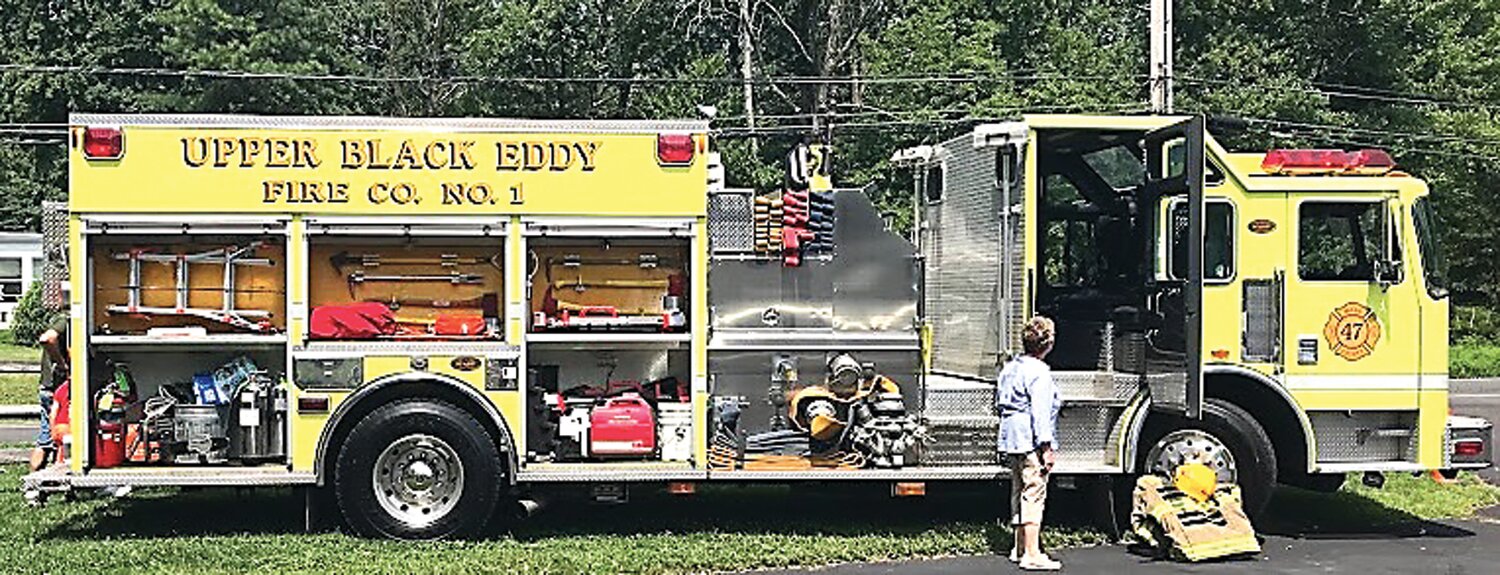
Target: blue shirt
{"points": [[1027, 402]]}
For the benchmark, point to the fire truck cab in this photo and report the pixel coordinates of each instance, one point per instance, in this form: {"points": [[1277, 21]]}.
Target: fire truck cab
{"points": [[1282, 315]]}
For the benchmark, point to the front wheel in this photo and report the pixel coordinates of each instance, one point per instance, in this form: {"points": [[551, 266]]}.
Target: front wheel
{"points": [[1227, 439], [418, 469]]}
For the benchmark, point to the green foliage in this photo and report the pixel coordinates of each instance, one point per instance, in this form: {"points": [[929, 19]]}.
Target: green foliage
{"points": [[1474, 324], [1473, 359], [1267, 60], [31, 318]]}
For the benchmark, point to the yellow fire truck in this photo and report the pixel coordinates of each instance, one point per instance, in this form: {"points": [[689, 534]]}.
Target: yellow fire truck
{"points": [[425, 320]]}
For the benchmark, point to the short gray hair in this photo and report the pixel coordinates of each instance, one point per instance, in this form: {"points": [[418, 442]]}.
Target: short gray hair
{"points": [[1038, 335]]}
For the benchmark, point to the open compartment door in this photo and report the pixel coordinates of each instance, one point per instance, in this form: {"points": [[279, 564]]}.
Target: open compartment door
{"points": [[1174, 306]]}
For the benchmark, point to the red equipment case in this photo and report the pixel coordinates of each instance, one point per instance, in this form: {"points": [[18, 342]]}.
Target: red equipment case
{"points": [[624, 426]]}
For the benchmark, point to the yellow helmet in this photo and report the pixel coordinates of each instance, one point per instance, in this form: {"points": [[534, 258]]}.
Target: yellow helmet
{"points": [[1197, 480]]}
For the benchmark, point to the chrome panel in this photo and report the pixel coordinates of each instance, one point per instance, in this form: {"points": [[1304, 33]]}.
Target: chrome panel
{"points": [[1084, 434], [972, 472], [497, 349], [731, 222], [1261, 336], [972, 241], [56, 479], [812, 339], [54, 253], [869, 284], [1365, 436]]}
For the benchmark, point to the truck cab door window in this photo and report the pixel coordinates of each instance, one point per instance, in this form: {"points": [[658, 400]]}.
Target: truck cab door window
{"points": [[1434, 266], [1218, 241], [1340, 241]]}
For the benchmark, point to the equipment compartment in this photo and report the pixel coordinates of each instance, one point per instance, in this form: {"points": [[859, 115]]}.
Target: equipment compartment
{"points": [[188, 285], [609, 405], [162, 405], [608, 284], [405, 287]]}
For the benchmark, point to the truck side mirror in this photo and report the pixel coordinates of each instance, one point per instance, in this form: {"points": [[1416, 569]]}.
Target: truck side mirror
{"points": [[1388, 272], [1388, 269]]}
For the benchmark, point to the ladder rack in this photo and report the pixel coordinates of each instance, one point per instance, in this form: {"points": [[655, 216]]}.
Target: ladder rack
{"points": [[227, 314]]}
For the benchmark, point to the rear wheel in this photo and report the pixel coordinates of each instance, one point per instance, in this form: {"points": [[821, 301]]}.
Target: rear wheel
{"points": [[418, 469], [1227, 438]]}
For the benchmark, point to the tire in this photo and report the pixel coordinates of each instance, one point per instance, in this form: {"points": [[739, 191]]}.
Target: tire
{"points": [[1251, 455], [418, 469]]}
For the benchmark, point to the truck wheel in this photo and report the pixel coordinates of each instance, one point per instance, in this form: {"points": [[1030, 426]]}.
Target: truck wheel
{"points": [[418, 469], [1234, 444]]}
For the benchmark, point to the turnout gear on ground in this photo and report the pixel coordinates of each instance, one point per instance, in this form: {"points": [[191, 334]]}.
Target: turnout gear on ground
{"points": [[1175, 524]]}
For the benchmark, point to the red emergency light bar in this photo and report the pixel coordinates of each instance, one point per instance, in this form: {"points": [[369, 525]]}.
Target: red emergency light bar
{"points": [[1327, 162]]}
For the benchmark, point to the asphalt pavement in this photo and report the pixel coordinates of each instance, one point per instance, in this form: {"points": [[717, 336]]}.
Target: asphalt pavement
{"points": [[17, 431], [1446, 548], [1435, 548], [1478, 398]]}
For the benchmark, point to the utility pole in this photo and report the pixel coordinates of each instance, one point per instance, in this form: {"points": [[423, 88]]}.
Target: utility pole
{"points": [[747, 71], [1161, 56]]}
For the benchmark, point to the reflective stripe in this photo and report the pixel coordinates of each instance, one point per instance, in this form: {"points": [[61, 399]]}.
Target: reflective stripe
{"points": [[1401, 382]]}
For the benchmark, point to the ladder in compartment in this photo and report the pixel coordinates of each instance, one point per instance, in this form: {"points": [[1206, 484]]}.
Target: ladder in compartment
{"points": [[247, 319]]}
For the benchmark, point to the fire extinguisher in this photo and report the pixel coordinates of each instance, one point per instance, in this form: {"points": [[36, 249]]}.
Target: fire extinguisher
{"points": [[109, 440]]}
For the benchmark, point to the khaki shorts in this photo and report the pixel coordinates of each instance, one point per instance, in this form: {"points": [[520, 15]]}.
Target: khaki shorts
{"points": [[1028, 488]]}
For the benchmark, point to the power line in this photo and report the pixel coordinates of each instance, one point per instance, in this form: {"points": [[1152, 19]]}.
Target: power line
{"points": [[32, 141], [1346, 91], [1431, 137], [1118, 108], [472, 79], [1311, 131]]}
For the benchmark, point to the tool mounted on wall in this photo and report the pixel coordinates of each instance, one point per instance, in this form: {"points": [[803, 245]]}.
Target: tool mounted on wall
{"points": [[344, 260]]}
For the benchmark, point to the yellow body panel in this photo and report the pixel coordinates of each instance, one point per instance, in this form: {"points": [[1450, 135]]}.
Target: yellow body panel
{"points": [[231, 169], [208, 167]]}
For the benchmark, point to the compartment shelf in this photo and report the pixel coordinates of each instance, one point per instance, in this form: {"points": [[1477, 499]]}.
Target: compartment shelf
{"points": [[610, 339], [238, 340]]}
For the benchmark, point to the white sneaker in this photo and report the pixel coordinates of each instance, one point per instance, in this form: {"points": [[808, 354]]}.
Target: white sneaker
{"points": [[1039, 563], [1013, 557]]}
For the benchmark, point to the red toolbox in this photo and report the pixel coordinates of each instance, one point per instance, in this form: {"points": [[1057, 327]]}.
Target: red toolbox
{"points": [[623, 426]]}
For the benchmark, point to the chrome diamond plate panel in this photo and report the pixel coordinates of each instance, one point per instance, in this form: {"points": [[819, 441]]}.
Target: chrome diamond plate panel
{"points": [[1261, 338], [54, 253], [731, 222], [1084, 434], [971, 242], [1364, 436]]}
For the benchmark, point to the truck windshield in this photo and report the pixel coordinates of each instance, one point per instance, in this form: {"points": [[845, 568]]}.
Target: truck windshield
{"points": [[1434, 266]]}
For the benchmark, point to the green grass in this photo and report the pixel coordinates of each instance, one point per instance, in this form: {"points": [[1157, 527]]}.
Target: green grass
{"points": [[18, 388], [10, 352], [718, 529], [721, 528], [1404, 501], [1473, 359]]}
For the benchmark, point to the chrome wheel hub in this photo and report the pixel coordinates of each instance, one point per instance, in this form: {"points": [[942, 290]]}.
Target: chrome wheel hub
{"points": [[1187, 445], [418, 479]]}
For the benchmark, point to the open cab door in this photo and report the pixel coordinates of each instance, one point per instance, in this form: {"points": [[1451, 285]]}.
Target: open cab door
{"points": [[1174, 306]]}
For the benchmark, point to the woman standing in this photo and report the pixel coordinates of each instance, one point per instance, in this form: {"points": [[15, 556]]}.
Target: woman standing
{"points": [[1028, 403]]}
